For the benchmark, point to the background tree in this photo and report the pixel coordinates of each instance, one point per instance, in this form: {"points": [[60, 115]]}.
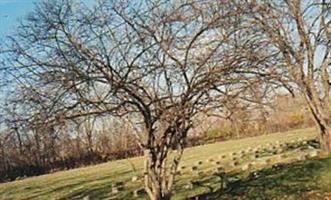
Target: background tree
{"points": [[297, 34]]}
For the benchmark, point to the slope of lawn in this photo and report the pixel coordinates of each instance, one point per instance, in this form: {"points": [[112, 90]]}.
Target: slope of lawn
{"points": [[306, 179]]}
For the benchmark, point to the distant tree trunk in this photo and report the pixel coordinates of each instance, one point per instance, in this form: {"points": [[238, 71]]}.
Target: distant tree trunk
{"points": [[38, 148], [89, 142], [20, 144], [3, 157], [234, 126], [89, 127]]}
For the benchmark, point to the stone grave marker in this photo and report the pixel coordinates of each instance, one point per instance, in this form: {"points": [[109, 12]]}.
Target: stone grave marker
{"points": [[139, 192]]}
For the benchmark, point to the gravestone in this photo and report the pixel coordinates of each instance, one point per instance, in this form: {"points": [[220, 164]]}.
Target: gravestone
{"points": [[247, 166], [86, 198], [139, 192], [217, 162], [189, 185], [219, 171], [234, 163], [199, 162], [115, 190], [302, 157], [117, 187], [197, 173], [194, 168], [275, 151], [313, 154], [255, 174], [134, 178], [278, 166], [255, 156]]}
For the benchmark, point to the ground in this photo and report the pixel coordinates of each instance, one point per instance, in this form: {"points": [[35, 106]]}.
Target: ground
{"points": [[287, 167]]}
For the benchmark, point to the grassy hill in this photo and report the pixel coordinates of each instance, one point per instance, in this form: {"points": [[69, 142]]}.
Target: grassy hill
{"points": [[274, 166]]}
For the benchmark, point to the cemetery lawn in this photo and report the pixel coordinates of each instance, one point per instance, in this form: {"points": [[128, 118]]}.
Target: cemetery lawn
{"points": [[293, 178]]}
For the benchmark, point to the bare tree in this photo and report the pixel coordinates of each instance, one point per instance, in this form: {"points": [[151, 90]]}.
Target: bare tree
{"points": [[156, 64], [296, 34]]}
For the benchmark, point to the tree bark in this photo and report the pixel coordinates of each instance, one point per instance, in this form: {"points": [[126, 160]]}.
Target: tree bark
{"points": [[326, 141], [320, 118], [324, 133], [154, 179]]}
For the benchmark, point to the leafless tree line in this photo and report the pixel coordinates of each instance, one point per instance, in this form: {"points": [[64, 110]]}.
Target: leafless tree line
{"points": [[93, 141], [29, 151]]}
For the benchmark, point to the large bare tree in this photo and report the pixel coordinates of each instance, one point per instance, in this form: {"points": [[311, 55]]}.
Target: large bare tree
{"points": [[155, 64]]}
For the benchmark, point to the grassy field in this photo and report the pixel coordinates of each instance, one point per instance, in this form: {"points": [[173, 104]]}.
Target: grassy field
{"points": [[295, 178]]}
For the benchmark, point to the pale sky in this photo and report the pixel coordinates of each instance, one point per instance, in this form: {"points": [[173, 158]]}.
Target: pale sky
{"points": [[10, 12]]}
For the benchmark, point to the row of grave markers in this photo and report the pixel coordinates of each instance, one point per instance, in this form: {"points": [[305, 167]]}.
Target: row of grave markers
{"points": [[255, 154]]}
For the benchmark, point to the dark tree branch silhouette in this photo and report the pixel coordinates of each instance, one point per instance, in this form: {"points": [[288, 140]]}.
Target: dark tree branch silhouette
{"points": [[157, 64]]}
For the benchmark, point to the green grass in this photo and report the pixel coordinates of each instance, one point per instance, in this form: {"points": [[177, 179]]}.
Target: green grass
{"points": [[294, 181]]}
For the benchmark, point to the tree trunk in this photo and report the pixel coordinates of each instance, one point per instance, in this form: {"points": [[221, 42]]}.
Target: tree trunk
{"points": [[326, 141], [324, 133], [153, 178], [154, 188], [159, 196], [320, 118], [159, 178]]}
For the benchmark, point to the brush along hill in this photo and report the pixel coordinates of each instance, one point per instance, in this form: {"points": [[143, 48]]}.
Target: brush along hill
{"points": [[285, 165]]}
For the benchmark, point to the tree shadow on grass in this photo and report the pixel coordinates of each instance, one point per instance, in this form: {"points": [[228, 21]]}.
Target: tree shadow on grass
{"points": [[291, 181], [100, 189], [97, 188]]}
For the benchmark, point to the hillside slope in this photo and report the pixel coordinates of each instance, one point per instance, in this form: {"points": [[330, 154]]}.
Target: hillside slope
{"points": [[293, 179]]}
